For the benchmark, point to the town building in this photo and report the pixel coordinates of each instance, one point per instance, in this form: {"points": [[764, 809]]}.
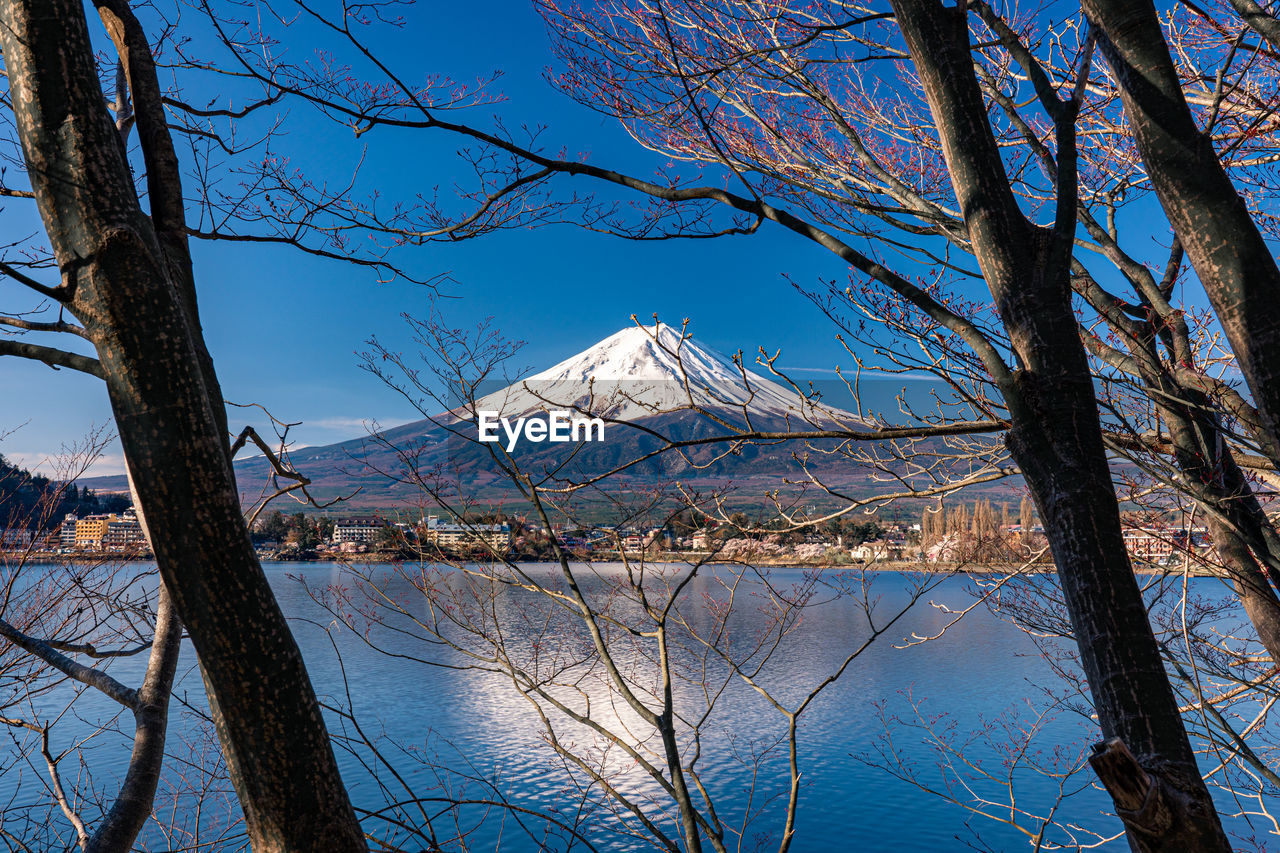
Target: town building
{"points": [[1150, 544], [91, 530], [450, 534], [67, 533], [657, 535], [360, 531], [124, 534], [15, 537], [109, 532], [878, 551]]}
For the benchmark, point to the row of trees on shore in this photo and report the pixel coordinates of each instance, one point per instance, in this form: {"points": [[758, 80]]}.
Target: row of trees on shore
{"points": [[23, 494]]}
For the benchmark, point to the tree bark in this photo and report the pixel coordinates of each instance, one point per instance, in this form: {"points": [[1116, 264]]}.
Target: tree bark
{"points": [[1212, 222], [1055, 434], [133, 805], [1213, 479], [118, 281], [1259, 20]]}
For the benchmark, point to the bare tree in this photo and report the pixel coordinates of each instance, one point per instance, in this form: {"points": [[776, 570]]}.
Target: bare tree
{"points": [[127, 278], [53, 620], [1213, 223], [731, 113], [724, 95], [630, 666]]}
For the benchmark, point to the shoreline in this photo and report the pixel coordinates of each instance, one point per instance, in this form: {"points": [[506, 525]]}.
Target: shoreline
{"points": [[669, 557]]}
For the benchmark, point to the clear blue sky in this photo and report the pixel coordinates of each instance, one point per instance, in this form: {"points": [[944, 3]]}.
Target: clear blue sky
{"points": [[284, 327]]}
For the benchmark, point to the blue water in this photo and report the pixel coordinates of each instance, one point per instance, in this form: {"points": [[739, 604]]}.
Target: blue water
{"points": [[436, 725], [980, 669]]}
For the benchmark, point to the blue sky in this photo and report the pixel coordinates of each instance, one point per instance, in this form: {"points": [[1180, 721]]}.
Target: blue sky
{"points": [[284, 328]]}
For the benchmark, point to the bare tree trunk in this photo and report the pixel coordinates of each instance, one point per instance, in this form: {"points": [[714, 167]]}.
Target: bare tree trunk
{"points": [[1212, 478], [1250, 582], [1211, 220], [1056, 435], [1259, 20], [118, 280], [1207, 471], [164, 177], [1065, 466], [1249, 521], [133, 805]]}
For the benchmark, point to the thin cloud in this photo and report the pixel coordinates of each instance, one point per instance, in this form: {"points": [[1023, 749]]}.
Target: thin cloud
{"points": [[348, 423], [867, 375], [47, 464]]}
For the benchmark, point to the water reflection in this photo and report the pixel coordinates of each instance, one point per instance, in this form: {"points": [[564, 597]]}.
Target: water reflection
{"points": [[978, 667], [436, 722]]}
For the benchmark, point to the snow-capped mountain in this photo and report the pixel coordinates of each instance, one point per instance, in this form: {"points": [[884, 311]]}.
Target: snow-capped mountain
{"points": [[644, 371], [653, 376]]}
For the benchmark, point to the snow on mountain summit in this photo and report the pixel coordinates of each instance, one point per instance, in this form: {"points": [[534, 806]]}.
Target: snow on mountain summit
{"points": [[638, 354], [647, 370]]}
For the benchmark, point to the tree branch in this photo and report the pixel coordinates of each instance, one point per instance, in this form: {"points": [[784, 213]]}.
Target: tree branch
{"points": [[95, 678], [55, 358]]}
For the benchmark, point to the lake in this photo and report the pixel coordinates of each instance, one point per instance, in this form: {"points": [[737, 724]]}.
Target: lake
{"points": [[471, 735]]}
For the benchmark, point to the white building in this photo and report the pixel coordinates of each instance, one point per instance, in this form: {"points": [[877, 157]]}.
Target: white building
{"points": [[450, 534], [877, 551], [124, 534], [15, 537], [360, 531], [68, 531], [1150, 544]]}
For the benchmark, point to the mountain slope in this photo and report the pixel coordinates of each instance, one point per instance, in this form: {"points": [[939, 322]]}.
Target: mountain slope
{"points": [[648, 383], [646, 370]]}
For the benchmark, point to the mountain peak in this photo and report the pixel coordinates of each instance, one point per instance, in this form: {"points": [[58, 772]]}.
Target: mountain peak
{"points": [[649, 353], [646, 370]]}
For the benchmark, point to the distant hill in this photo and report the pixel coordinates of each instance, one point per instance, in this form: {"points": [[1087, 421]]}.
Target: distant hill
{"points": [[31, 501], [643, 381]]}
